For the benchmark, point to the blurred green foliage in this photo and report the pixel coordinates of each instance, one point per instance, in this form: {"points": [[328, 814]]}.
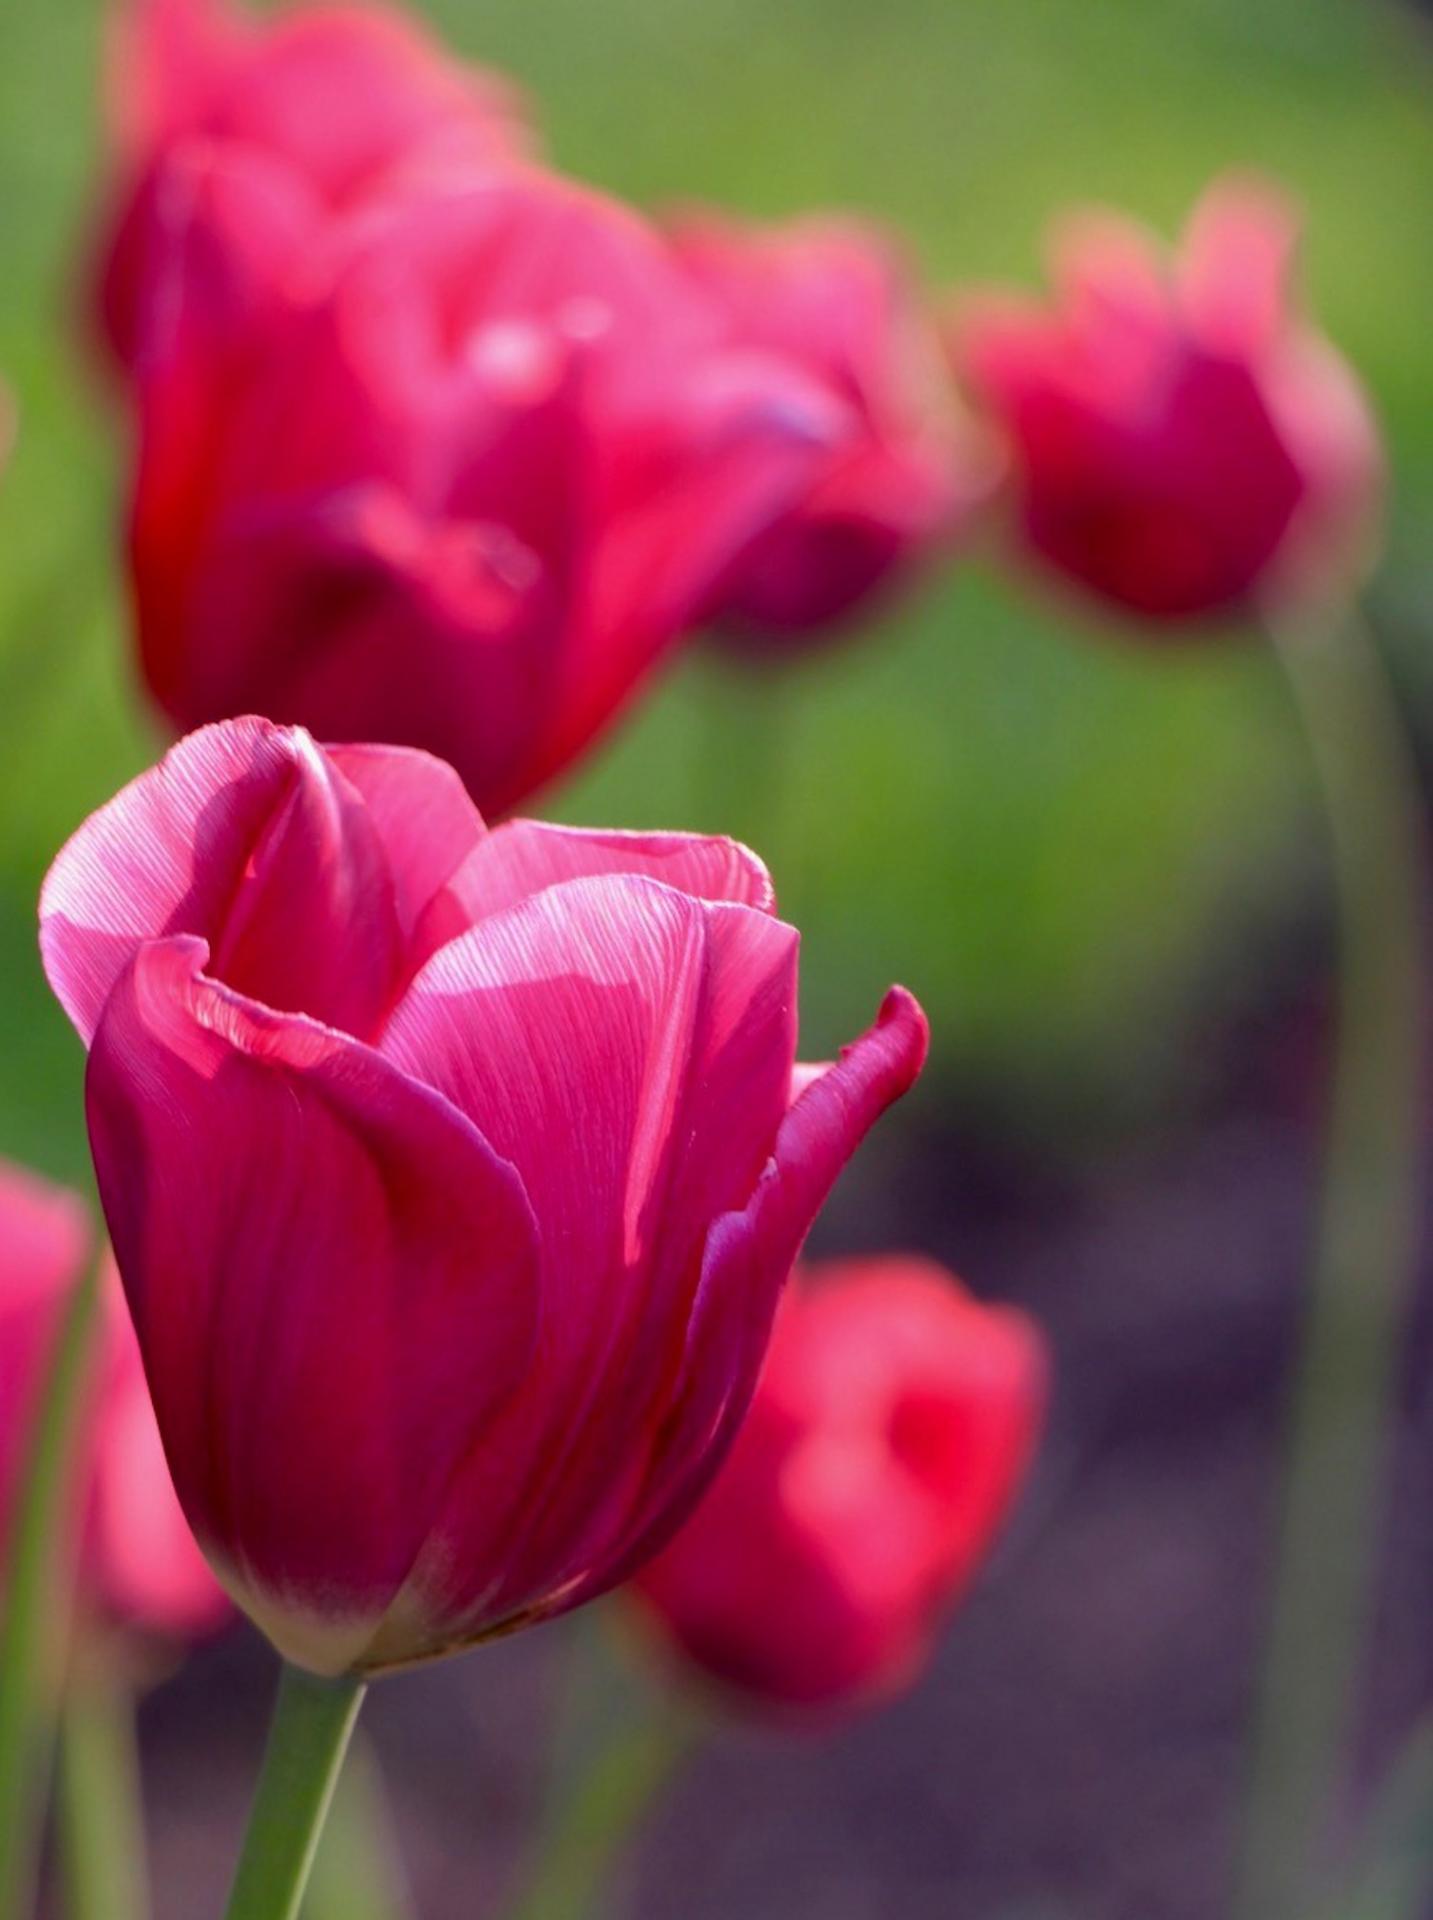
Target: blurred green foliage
{"points": [[1044, 830]]}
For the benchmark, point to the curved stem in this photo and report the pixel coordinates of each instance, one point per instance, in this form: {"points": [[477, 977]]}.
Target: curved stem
{"points": [[591, 1818], [308, 1737], [101, 1811], [1338, 1438], [36, 1610]]}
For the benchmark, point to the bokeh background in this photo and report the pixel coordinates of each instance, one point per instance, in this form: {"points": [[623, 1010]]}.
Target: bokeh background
{"points": [[1100, 866]]}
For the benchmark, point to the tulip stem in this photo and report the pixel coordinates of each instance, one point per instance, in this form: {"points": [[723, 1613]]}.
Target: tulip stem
{"points": [[101, 1810], [36, 1610], [308, 1738], [1339, 1433], [592, 1816]]}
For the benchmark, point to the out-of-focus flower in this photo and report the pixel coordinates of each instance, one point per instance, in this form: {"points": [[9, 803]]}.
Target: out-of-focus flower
{"points": [[891, 1430], [138, 1562], [324, 104], [453, 1176], [462, 485], [1185, 444], [901, 469]]}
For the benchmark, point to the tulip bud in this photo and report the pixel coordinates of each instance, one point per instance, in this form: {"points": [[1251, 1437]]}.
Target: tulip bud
{"points": [[453, 1176], [1184, 444], [889, 1435], [458, 483], [138, 1564], [335, 103], [901, 470]]}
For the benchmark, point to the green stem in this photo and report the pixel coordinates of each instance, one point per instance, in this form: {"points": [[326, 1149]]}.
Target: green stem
{"points": [[1394, 1877], [101, 1809], [589, 1827], [308, 1737], [36, 1606], [744, 782], [1338, 1438], [357, 1874]]}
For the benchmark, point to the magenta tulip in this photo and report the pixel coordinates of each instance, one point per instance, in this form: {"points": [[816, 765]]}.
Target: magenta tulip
{"points": [[453, 1176], [331, 104], [1184, 444], [890, 1433], [833, 299], [453, 475], [138, 1564]]}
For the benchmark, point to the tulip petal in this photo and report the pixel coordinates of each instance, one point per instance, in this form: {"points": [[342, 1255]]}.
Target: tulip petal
{"points": [[164, 856], [749, 1256], [524, 856], [44, 1242], [630, 1049], [324, 1346], [1236, 264], [428, 828], [247, 836]]}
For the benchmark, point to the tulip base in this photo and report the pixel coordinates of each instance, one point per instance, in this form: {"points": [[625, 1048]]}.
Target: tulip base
{"points": [[308, 1738]]}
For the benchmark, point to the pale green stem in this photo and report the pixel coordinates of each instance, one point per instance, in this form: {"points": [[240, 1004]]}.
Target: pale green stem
{"points": [[744, 774], [1339, 1431], [591, 1820], [36, 1607], [357, 1874], [1394, 1880], [313, 1720], [101, 1807]]}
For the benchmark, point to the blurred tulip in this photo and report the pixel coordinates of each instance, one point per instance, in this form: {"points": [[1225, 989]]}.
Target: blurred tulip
{"points": [[327, 103], [1185, 445], [889, 1435], [138, 1561], [453, 1176], [455, 484], [833, 299]]}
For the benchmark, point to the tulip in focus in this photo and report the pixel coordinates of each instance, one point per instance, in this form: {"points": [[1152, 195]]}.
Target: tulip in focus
{"points": [[899, 474], [459, 482], [319, 106], [1185, 444], [453, 1176], [891, 1431], [138, 1564]]}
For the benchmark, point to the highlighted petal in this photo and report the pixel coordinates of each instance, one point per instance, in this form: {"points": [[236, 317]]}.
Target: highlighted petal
{"points": [[322, 1344]]}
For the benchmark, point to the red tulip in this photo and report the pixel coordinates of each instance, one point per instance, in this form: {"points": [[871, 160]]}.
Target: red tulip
{"points": [[891, 1430], [1185, 444], [453, 1176], [330, 103], [138, 1561], [455, 479], [833, 299]]}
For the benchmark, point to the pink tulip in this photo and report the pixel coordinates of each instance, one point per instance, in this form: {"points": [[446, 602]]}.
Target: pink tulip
{"points": [[138, 1561], [1185, 445], [455, 476], [453, 1176], [833, 299], [331, 104], [888, 1438]]}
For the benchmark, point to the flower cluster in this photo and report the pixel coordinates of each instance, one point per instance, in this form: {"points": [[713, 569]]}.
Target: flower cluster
{"points": [[455, 1174]]}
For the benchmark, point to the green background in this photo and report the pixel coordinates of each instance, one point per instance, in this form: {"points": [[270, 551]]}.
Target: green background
{"points": [[1055, 837]]}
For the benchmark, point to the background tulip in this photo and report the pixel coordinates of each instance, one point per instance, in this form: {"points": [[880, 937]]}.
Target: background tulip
{"points": [[834, 299], [460, 484], [890, 1433], [331, 103], [453, 1176], [138, 1561], [1184, 443]]}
